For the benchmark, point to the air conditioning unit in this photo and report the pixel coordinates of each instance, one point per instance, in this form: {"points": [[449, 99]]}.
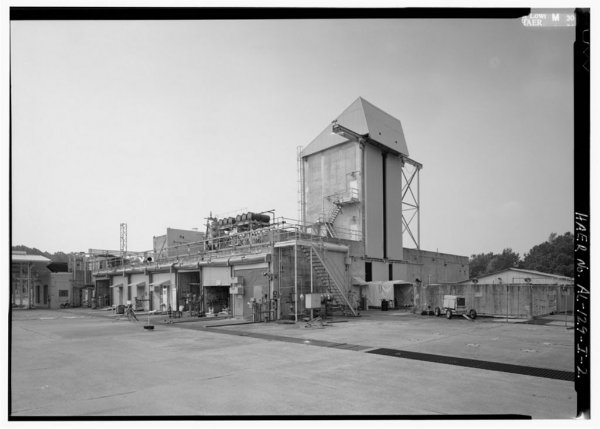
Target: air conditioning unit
{"points": [[237, 280]]}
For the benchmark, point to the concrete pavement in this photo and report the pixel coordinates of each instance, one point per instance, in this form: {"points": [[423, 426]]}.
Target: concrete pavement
{"points": [[81, 362]]}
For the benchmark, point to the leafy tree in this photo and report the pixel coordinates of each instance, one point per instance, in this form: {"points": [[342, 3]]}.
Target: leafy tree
{"points": [[554, 256], [486, 263], [506, 259], [478, 264]]}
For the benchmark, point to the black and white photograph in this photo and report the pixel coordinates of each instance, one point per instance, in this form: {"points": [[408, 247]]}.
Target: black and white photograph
{"points": [[344, 212]]}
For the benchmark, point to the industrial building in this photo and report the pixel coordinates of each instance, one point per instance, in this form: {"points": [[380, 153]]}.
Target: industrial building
{"points": [[29, 280], [358, 199], [37, 282], [515, 276]]}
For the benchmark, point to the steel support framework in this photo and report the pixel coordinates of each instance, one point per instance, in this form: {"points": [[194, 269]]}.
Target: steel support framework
{"points": [[411, 205], [123, 239]]}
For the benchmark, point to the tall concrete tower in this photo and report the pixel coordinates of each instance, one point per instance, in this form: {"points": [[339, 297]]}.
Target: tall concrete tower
{"points": [[353, 188]]}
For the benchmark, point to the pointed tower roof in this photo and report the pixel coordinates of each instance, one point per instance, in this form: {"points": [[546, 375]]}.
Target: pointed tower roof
{"points": [[367, 120]]}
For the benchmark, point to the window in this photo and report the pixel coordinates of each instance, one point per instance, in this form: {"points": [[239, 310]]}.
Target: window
{"points": [[63, 293], [390, 272], [368, 271]]}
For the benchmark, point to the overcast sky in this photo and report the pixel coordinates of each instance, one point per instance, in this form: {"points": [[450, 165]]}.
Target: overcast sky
{"points": [[158, 123]]}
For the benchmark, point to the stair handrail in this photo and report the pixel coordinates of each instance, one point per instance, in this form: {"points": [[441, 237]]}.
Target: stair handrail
{"points": [[339, 276], [334, 276]]}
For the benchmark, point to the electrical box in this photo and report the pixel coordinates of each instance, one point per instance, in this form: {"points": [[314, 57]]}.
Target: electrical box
{"points": [[312, 300], [237, 280], [236, 290]]}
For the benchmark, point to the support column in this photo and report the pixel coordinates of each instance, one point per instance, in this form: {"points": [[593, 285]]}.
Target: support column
{"points": [[296, 282], [311, 280], [279, 284], [29, 285]]}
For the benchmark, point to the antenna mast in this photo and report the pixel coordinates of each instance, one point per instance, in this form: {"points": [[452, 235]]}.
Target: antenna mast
{"points": [[123, 239]]}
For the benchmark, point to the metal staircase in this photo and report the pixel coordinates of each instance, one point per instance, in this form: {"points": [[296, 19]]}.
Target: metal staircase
{"points": [[330, 277], [336, 209]]}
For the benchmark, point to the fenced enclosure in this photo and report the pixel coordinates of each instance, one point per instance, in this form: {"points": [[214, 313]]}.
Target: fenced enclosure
{"points": [[509, 300]]}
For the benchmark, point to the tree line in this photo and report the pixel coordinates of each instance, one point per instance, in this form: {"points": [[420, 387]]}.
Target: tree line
{"points": [[54, 257], [554, 256]]}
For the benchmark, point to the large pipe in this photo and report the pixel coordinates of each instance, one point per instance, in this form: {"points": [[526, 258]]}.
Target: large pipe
{"points": [[296, 282]]}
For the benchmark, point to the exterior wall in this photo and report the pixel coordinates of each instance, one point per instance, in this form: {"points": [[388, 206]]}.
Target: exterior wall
{"points": [[40, 276], [138, 292], [394, 207], [285, 280], [163, 296], [119, 294], [357, 261], [401, 272], [160, 247], [434, 267], [373, 202], [216, 276], [60, 282], [501, 300], [380, 271], [327, 173], [103, 293], [189, 290], [175, 237], [256, 286]]}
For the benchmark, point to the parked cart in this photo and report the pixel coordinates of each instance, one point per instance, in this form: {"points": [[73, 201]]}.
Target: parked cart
{"points": [[455, 305]]}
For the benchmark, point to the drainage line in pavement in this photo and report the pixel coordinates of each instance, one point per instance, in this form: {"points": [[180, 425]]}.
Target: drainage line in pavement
{"points": [[479, 364], [449, 360]]}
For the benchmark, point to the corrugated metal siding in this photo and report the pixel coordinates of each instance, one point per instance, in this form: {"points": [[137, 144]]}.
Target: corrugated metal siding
{"points": [[325, 174], [380, 271], [373, 203], [394, 207], [252, 278], [216, 276]]}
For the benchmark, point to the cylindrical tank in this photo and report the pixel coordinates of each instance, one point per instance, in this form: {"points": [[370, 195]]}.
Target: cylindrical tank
{"points": [[238, 218]]}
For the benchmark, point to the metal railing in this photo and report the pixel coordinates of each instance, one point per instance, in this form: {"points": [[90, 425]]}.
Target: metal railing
{"points": [[338, 278], [237, 243]]}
